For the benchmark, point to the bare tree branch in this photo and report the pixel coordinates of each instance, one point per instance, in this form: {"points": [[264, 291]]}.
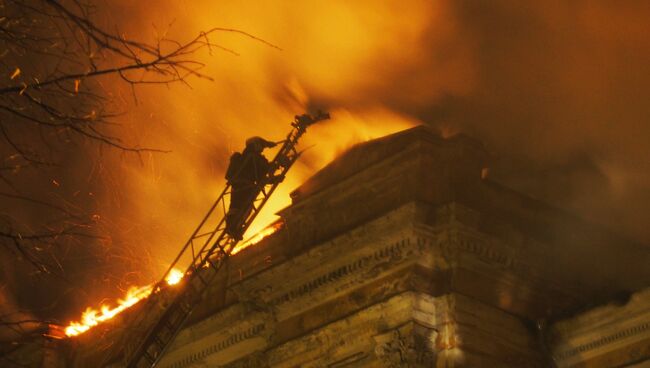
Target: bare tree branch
{"points": [[54, 63]]}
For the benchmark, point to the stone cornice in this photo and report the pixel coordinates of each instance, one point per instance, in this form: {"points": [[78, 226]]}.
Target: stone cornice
{"points": [[604, 341], [361, 264], [603, 331], [219, 346]]}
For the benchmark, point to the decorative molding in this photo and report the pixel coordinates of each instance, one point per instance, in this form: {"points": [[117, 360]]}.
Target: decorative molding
{"points": [[482, 249], [219, 346], [402, 348], [393, 252], [255, 360], [604, 341]]}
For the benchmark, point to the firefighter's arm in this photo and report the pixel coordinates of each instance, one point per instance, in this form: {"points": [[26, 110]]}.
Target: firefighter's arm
{"points": [[275, 179], [272, 177]]}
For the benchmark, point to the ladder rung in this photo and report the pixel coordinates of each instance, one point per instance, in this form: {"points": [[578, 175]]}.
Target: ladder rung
{"points": [[173, 313], [169, 326], [159, 342], [214, 266], [202, 235], [149, 357], [185, 307], [198, 275]]}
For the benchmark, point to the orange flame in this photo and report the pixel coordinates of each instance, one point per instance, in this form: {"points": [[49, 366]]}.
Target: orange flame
{"points": [[93, 317], [174, 277], [267, 231]]}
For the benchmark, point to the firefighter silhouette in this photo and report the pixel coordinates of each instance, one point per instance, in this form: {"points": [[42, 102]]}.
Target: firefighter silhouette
{"points": [[247, 173]]}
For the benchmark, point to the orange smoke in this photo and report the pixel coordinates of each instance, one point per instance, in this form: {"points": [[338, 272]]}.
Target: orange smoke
{"points": [[151, 202]]}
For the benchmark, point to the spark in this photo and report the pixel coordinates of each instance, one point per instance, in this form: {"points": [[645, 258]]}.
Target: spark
{"points": [[15, 74]]}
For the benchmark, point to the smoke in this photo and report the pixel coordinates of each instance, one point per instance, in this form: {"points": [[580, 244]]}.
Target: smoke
{"points": [[557, 90], [561, 98]]}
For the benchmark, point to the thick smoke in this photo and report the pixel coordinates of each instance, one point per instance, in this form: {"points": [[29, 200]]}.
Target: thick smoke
{"points": [[557, 90]]}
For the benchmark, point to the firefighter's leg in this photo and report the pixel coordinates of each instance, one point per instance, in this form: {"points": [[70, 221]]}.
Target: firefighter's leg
{"points": [[237, 200], [241, 199]]}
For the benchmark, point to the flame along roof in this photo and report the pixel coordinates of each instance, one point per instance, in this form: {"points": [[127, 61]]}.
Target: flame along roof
{"points": [[365, 154]]}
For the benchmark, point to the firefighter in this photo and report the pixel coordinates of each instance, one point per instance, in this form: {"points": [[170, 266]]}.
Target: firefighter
{"points": [[247, 173]]}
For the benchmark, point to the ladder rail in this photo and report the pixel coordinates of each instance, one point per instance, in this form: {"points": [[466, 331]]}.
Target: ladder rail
{"points": [[286, 151], [289, 144], [210, 257], [194, 236]]}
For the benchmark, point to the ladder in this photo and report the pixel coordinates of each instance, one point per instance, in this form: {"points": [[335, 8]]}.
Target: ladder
{"points": [[208, 248]]}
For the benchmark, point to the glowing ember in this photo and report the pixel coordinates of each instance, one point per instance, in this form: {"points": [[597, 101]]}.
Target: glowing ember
{"points": [[92, 317], [174, 277]]}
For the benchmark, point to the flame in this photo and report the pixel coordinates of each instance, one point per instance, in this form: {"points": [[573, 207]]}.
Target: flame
{"points": [[174, 277], [92, 317], [258, 95], [330, 144], [267, 231]]}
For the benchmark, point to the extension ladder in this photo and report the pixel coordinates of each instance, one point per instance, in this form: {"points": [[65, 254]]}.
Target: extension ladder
{"points": [[208, 248]]}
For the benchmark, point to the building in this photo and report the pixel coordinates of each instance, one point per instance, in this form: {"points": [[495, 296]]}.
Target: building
{"points": [[401, 253]]}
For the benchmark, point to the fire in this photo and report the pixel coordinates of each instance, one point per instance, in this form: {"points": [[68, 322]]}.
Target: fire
{"points": [[174, 277], [330, 144], [270, 229], [93, 317]]}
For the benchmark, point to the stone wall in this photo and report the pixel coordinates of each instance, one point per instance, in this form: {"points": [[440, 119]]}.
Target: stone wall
{"points": [[383, 294]]}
